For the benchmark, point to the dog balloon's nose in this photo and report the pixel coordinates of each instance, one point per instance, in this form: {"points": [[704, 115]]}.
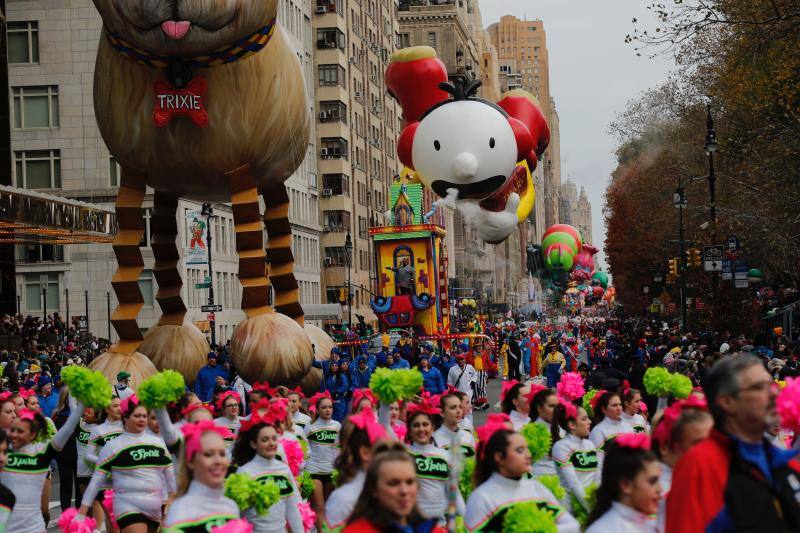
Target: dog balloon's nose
{"points": [[465, 166]]}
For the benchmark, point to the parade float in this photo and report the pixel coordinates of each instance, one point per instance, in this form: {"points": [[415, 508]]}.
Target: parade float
{"points": [[213, 113]]}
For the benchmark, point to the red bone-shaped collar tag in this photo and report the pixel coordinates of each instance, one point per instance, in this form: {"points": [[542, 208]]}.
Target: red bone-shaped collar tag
{"points": [[171, 102]]}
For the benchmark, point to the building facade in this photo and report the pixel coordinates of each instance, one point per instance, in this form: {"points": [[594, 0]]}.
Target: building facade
{"points": [[357, 124], [576, 209], [56, 147]]}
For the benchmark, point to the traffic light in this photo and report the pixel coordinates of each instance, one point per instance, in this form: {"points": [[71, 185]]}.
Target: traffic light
{"points": [[673, 267], [697, 260]]}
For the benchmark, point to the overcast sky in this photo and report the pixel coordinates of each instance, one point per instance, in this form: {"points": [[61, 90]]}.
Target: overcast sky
{"points": [[593, 73]]}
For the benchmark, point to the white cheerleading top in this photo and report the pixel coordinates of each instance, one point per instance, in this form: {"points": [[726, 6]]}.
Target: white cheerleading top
{"points": [[488, 504], [444, 437], [83, 443], [578, 465], [200, 509], [518, 419], [301, 419], [323, 445], [433, 473], [637, 422], [605, 431], [286, 509], [623, 519], [545, 466], [139, 469], [342, 501]]}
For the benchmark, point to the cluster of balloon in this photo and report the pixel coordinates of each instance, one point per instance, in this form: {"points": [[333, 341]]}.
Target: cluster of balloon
{"points": [[584, 264], [475, 154], [561, 244], [600, 278]]}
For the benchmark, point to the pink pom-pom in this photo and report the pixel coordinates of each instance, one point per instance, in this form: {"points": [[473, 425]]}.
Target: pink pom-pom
{"points": [[400, 430], [788, 405], [308, 515], [240, 525], [67, 522], [294, 455], [108, 505], [570, 387]]}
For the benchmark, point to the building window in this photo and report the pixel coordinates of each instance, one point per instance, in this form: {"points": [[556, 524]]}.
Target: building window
{"points": [[39, 253], [146, 286], [362, 227], [147, 214], [331, 38], [334, 148], [332, 294], [432, 39], [363, 260], [38, 169], [23, 42], [335, 184], [330, 75], [336, 221], [335, 256], [35, 107], [403, 40], [114, 171], [33, 291], [332, 111]]}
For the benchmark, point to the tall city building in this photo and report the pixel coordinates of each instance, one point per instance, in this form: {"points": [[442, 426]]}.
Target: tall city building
{"points": [[357, 124], [55, 147], [524, 63], [576, 209]]}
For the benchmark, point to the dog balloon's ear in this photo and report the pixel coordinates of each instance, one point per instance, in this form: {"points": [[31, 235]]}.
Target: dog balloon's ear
{"points": [[405, 144]]}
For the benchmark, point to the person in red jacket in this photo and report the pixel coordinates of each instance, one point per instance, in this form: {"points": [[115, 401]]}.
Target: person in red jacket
{"points": [[735, 480], [388, 501]]}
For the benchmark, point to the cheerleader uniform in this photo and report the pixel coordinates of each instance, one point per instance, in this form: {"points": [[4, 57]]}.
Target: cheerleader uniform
{"points": [[199, 510], [342, 501], [605, 431], [286, 509], [323, 447], [25, 473], [138, 467], [637, 422], [433, 474], [101, 435], [488, 504], [577, 464], [232, 426], [301, 420], [623, 519], [518, 420], [545, 466], [7, 500], [444, 437], [85, 469]]}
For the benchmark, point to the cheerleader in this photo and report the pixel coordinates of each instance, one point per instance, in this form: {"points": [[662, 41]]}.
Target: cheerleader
{"points": [[500, 480], [255, 451], [7, 498], [608, 421], [575, 456], [359, 433], [83, 438], [631, 398], [186, 401], [228, 404], [396, 422], [629, 494], [542, 405], [432, 462], [200, 505], [299, 419], [323, 443], [139, 468], [104, 432], [450, 431], [8, 411], [28, 465], [363, 399], [514, 403]]}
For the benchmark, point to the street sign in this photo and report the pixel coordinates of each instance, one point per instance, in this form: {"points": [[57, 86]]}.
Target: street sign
{"points": [[672, 307], [727, 269], [732, 242], [712, 257], [211, 308], [740, 284], [740, 268], [211, 317], [207, 279], [202, 285]]}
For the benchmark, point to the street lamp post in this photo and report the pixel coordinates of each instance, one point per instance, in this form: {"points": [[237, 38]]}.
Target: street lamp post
{"points": [[208, 211], [711, 146], [348, 250], [679, 199]]}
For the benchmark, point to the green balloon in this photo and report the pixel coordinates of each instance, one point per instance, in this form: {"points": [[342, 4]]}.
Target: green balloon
{"points": [[602, 278], [562, 238], [558, 259]]}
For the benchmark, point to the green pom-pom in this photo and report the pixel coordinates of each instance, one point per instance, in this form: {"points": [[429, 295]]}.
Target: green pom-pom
{"points": [[162, 389], [553, 484], [305, 484], [578, 511], [465, 479], [249, 493], [460, 527], [587, 401], [304, 446], [90, 388], [657, 381], [392, 385], [680, 386], [539, 440], [48, 433], [527, 517], [335, 477]]}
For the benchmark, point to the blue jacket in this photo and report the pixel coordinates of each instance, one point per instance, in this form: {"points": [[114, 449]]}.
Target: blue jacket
{"points": [[432, 380], [48, 404], [400, 363], [360, 379], [206, 380], [341, 391]]}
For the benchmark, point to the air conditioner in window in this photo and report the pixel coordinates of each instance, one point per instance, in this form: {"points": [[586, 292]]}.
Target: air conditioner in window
{"points": [[352, 60], [374, 47], [359, 94], [328, 262], [321, 10], [324, 152], [332, 44], [323, 115], [325, 229], [327, 192], [376, 109]]}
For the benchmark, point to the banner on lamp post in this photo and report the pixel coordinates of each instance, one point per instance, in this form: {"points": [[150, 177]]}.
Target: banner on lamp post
{"points": [[197, 252]]}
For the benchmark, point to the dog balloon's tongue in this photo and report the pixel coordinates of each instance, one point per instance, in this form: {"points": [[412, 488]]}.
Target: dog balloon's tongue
{"points": [[176, 29]]}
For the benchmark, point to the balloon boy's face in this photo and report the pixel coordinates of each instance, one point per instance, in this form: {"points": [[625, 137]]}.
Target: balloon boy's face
{"points": [[465, 145]]}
